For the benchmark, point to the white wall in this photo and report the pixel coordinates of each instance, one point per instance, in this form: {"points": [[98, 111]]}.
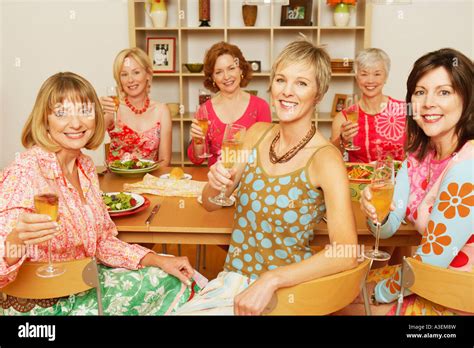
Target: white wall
{"points": [[48, 36], [84, 36], [407, 31]]}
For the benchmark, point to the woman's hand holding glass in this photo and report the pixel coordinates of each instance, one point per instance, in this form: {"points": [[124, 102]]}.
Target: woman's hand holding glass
{"points": [[219, 176], [348, 131], [231, 154], [31, 229], [108, 105], [367, 207], [198, 132]]}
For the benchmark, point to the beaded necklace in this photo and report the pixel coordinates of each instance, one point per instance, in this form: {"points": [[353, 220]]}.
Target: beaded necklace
{"points": [[134, 109], [293, 151]]}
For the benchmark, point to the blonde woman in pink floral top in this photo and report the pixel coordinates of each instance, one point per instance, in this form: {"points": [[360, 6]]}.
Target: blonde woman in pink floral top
{"points": [[142, 127], [63, 122]]}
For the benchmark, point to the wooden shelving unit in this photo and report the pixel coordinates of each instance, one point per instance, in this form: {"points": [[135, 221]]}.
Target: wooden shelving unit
{"points": [[262, 42]]}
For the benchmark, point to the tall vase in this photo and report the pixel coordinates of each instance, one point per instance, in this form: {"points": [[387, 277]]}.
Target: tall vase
{"points": [[204, 13], [342, 15], [249, 14], [158, 13]]}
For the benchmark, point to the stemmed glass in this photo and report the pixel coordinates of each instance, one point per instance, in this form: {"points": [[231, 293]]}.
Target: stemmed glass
{"points": [[352, 113], [381, 187], [47, 202], [201, 116], [230, 153], [112, 93]]}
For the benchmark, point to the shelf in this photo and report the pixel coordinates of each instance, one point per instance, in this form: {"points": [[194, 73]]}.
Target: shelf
{"points": [[203, 28], [343, 28], [343, 74], [166, 74], [156, 29], [262, 42]]}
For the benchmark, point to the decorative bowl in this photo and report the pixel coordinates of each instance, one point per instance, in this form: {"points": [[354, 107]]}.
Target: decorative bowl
{"points": [[194, 67]]}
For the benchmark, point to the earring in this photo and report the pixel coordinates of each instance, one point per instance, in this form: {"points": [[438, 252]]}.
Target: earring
{"points": [[214, 83], [241, 76]]}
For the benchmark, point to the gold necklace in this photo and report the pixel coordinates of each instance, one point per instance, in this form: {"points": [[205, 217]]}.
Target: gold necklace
{"points": [[293, 151]]}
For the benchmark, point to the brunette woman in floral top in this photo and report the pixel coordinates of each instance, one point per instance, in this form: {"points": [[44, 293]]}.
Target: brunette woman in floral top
{"points": [[134, 279], [142, 127], [434, 188], [381, 124]]}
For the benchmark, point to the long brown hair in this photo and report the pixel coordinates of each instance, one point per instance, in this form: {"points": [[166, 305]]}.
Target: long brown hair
{"points": [[461, 73]]}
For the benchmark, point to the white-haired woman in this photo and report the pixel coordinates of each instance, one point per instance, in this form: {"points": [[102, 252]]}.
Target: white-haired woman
{"points": [[380, 130]]}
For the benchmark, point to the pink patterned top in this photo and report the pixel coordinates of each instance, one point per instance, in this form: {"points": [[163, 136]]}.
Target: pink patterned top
{"points": [[126, 143], [257, 111], [87, 230], [382, 133]]}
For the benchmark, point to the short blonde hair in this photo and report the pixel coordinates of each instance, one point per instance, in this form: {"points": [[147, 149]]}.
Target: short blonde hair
{"points": [[304, 51], [56, 89], [369, 57], [138, 55]]}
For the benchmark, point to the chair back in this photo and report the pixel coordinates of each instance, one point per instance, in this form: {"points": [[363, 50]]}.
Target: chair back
{"points": [[320, 296], [452, 289], [80, 275]]}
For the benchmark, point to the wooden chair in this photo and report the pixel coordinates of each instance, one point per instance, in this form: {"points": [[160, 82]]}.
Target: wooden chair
{"points": [[321, 296], [452, 289], [81, 275]]}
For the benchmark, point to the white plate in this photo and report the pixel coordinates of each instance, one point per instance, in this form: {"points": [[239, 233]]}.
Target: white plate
{"points": [[199, 199], [186, 176], [139, 198], [137, 170]]}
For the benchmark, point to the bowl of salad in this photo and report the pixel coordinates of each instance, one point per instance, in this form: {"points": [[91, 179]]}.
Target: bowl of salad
{"points": [[119, 202], [133, 166]]}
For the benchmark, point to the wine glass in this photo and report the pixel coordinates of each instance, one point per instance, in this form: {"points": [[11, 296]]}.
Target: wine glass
{"points": [[201, 116], [47, 202], [381, 187], [112, 93], [230, 153], [352, 113]]}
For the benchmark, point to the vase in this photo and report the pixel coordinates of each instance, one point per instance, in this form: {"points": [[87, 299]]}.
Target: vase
{"points": [[249, 14], [342, 15], [158, 12], [204, 13]]}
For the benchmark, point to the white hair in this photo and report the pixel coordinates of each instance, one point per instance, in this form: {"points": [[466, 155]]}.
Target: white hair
{"points": [[369, 57]]}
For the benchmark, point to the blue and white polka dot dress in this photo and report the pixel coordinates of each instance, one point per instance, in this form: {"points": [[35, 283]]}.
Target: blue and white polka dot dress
{"points": [[274, 220]]}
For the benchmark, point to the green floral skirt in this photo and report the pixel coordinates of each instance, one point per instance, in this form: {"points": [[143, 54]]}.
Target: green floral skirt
{"points": [[148, 291]]}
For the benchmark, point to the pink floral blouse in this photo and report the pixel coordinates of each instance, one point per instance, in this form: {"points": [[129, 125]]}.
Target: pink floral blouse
{"points": [[126, 143], [381, 134], [87, 230]]}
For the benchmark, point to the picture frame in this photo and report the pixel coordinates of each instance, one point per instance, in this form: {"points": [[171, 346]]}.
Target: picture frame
{"points": [[338, 104], [297, 13], [162, 53]]}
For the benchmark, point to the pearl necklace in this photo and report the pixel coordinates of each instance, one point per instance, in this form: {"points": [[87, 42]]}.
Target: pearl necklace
{"points": [[134, 109]]}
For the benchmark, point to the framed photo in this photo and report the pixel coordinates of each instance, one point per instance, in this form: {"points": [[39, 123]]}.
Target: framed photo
{"points": [[297, 13], [338, 104], [162, 53]]}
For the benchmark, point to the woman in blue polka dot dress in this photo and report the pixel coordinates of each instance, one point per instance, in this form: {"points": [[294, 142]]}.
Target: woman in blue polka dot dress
{"points": [[288, 176]]}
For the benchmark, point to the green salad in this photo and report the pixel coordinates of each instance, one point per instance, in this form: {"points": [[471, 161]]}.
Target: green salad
{"points": [[131, 164], [119, 201]]}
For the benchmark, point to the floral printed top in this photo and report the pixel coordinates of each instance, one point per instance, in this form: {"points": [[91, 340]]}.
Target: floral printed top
{"points": [[380, 134], [126, 143], [257, 111], [87, 230], [442, 210]]}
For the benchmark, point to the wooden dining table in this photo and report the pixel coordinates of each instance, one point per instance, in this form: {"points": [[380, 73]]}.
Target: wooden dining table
{"points": [[183, 220]]}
